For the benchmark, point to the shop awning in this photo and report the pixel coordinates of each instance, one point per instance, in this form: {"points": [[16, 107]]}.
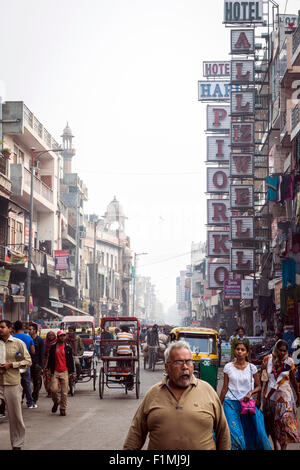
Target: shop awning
{"points": [[76, 309], [48, 310]]}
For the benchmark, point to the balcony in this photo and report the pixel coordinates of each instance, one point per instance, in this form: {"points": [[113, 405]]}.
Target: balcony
{"points": [[21, 179], [295, 121], [296, 47], [5, 185], [28, 127]]}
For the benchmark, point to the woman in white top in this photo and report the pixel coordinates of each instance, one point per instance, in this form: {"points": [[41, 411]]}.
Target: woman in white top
{"points": [[241, 381]]}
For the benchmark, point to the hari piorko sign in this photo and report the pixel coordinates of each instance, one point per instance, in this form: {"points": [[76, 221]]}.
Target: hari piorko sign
{"points": [[243, 12]]}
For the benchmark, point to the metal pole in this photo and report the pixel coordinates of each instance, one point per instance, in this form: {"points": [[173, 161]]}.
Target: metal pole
{"points": [[133, 293], [28, 283], [95, 270], [77, 248]]}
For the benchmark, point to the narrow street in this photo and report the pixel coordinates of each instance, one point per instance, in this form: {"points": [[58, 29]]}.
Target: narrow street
{"points": [[91, 423]]}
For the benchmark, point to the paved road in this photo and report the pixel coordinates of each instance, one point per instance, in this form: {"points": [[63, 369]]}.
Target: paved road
{"points": [[91, 423]]}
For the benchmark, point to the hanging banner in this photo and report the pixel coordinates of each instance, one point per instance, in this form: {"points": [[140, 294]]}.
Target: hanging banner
{"points": [[247, 288], [14, 257], [4, 276], [62, 259], [232, 289]]}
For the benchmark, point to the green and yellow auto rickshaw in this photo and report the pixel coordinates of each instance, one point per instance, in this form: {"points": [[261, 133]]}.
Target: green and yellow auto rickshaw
{"points": [[204, 346]]}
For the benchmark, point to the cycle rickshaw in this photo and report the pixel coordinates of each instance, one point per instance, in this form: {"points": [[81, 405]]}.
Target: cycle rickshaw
{"points": [[117, 371], [85, 328]]}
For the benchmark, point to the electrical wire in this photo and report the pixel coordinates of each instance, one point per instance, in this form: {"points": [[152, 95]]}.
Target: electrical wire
{"points": [[167, 259]]}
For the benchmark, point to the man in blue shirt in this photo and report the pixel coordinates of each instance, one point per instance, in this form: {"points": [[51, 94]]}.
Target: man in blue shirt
{"points": [[37, 360], [25, 376]]}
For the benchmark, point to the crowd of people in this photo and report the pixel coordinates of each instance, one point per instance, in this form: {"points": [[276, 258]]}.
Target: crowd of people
{"points": [[254, 408]]}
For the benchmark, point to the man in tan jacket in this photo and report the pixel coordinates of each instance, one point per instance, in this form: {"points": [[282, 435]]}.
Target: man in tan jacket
{"points": [[13, 357], [181, 412]]}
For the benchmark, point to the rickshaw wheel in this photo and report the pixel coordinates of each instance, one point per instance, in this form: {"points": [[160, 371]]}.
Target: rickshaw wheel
{"points": [[94, 378], [137, 383], [101, 383]]}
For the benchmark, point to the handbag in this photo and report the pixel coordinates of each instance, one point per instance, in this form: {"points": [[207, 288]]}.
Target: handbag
{"points": [[247, 407]]}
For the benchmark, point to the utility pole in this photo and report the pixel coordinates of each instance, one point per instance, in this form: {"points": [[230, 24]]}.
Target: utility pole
{"points": [[77, 249]]}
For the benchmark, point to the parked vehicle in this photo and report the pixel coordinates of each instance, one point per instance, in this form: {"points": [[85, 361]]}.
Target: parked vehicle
{"points": [[117, 370], [204, 346], [88, 360]]}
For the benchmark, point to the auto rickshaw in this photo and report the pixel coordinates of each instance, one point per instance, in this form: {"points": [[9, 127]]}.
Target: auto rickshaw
{"points": [[204, 346]]}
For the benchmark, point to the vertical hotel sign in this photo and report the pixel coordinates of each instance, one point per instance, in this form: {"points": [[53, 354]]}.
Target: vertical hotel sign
{"points": [[242, 132], [215, 91]]}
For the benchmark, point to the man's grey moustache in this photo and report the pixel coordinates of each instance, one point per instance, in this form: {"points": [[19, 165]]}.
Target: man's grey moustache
{"points": [[185, 374]]}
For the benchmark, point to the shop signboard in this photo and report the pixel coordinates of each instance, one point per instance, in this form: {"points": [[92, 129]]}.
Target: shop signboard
{"points": [[242, 260], [241, 228], [213, 90], [242, 41], [217, 274], [232, 289], [217, 180], [242, 103], [218, 149], [62, 259], [277, 288], [236, 12], [247, 288], [218, 119], [218, 212], [241, 165], [216, 69], [242, 71], [4, 276], [242, 134], [218, 244], [241, 196]]}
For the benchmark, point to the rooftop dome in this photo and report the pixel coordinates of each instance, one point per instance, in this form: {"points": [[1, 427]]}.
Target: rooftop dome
{"points": [[114, 210], [67, 131]]}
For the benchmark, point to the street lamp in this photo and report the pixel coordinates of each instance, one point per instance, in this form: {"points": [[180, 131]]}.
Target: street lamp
{"points": [[134, 277], [34, 154]]}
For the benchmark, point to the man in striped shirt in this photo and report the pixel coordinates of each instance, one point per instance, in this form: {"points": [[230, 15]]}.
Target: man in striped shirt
{"points": [[125, 350]]}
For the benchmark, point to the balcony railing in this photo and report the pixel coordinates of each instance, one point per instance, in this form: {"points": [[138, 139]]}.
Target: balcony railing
{"points": [[38, 128], [39, 187], [295, 118], [296, 39]]}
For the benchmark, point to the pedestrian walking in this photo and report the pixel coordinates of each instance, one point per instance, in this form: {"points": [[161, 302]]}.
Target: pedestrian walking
{"points": [[49, 341], [153, 344], [77, 348], [279, 407], [245, 420], [181, 412], [37, 361], [240, 336], [14, 355], [61, 364], [25, 374]]}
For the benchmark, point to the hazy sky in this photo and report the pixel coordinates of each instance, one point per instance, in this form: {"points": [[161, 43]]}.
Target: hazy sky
{"points": [[124, 74]]}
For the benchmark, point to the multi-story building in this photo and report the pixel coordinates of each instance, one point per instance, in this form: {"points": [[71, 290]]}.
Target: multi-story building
{"points": [[108, 261], [22, 132]]}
